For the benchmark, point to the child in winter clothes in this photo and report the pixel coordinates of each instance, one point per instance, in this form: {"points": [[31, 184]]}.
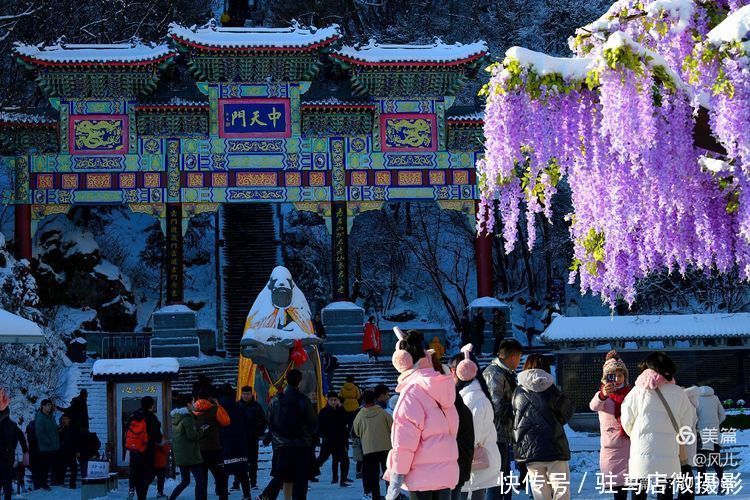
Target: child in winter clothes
{"points": [[653, 444], [334, 430], [540, 411], [424, 458], [487, 473], [373, 426], [615, 443], [161, 457]]}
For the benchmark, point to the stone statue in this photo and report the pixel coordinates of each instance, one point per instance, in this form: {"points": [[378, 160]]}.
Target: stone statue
{"points": [[278, 324]]}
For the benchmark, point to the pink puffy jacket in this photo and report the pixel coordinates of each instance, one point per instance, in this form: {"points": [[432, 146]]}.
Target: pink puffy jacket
{"points": [[615, 447], [425, 424]]}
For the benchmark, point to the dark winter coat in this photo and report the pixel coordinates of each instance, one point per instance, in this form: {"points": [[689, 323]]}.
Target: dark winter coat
{"points": [[10, 437], [31, 439], [501, 382], [465, 439], [70, 440], [320, 330], [153, 428], [465, 330], [185, 437], [541, 410], [78, 411], [334, 426], [292, 419], [256, 418], [209, 418], [234, 435], [46, 432]]}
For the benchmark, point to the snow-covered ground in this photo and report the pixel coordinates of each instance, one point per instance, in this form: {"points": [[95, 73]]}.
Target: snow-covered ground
{"points": [[584, 465]]}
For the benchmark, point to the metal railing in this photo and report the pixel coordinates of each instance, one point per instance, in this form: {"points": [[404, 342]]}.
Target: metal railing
{"points": [[124, 346]]}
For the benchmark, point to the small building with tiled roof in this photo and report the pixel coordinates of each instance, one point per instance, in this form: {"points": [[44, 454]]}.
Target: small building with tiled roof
{"points": [[211, 37], [220, 54], [96, 70], [121, 54], [436, 69], [434, 54]]}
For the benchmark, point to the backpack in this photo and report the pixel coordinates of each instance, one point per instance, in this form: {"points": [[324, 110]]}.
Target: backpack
{"points": [[136, 437], [291, 420]]}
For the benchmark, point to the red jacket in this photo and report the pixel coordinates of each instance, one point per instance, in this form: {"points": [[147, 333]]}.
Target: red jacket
{"points": [[161, 455], [371, 339]]}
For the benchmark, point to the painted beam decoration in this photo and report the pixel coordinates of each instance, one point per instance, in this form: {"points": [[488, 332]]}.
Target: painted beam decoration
{"points": [[408, 132], [254, 118], [250, 136], [98, 134]]}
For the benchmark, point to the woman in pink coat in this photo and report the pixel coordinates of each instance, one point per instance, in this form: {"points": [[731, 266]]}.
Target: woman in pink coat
{"points": [[424, 458], [615, 443]]}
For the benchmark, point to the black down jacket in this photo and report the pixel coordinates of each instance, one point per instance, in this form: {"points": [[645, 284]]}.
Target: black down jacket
{"points": [[465, 440], [541, 410]]}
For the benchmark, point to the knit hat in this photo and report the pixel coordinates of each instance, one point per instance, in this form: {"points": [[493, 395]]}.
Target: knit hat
{"points": [[466, 369], [612, 364], [4, 399]]}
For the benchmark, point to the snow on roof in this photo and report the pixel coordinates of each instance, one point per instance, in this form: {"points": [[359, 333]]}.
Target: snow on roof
{"points": [[342, 305], [17, 330], [88, 54], [679, 326], [732, 29], [487, 302], [682, 10], [434, 53], [211, 36], [571, 68], [174, 308], [137, 366], [26, 118]]}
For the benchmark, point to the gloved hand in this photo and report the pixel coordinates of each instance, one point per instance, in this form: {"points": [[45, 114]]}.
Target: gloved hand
{"points": [[394, 487]]}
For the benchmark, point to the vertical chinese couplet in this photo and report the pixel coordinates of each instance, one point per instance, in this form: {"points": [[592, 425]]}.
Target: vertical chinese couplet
{"points": [[340, 251], [174, 266]]}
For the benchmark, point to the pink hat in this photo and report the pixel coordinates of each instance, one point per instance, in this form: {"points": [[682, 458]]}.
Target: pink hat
{"points": [[466, 369], [614, 364], [4, 399]]}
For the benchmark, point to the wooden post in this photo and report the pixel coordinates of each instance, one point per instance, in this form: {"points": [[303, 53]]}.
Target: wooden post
{"points": [[23, 231]]}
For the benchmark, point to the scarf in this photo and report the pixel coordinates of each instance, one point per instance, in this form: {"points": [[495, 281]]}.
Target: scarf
{"points": [[618, 397]]}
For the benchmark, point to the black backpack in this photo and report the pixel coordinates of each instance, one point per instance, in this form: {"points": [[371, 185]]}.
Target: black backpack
{"points": [[291, 422]]}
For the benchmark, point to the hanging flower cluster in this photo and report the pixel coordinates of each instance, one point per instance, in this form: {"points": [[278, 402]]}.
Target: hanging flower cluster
{"points": [[617, 123]]}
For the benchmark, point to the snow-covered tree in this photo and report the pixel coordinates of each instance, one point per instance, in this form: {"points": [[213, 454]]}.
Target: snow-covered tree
{"points": [[30, 373]]}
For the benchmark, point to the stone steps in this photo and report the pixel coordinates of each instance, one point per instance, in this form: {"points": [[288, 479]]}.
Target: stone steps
{"points": [[249, 254]]}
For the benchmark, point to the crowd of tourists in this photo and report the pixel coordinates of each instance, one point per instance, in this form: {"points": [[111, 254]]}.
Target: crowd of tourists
{"points": [[448, 431]]}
